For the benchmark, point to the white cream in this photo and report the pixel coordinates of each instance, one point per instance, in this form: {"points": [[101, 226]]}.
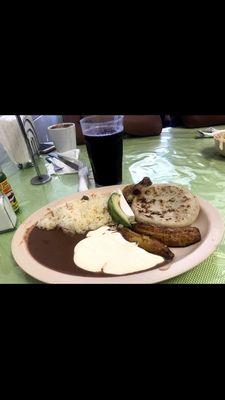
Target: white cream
{"points": [[100, 231], [106, 251]]}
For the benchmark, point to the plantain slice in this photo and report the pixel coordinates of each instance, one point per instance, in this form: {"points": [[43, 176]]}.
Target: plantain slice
{"points": [[174, 237], [147, 243]]}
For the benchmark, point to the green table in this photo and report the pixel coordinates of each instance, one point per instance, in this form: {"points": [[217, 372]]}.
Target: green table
{"points": [[174, 156]]}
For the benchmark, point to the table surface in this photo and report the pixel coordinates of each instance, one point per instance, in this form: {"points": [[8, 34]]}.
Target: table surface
{"points": [[174, 156]]}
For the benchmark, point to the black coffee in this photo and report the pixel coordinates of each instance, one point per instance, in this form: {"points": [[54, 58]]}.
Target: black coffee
{"points": [[105, 151]]}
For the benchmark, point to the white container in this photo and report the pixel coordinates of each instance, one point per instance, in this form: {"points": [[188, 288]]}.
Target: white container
{"points": [[63, 136], [7, 215], [219, 140]]}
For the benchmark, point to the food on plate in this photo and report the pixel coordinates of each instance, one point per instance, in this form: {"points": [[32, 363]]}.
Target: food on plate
{"points": [[174, 237], [147, 243], [54, 249], [120, 210], [78, 216], [128, 193], [167, 205], [106, 251], [131, 191], [117, 233]]}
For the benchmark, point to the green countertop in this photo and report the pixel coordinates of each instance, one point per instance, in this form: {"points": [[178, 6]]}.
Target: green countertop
{"points": [[174, 156]]}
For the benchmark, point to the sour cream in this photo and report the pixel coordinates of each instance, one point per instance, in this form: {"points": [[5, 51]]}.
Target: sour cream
{"points": [[105, 250]]}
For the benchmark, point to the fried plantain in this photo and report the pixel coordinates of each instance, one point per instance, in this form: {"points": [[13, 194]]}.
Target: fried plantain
{"points": [[174, 237], [147, 243]]}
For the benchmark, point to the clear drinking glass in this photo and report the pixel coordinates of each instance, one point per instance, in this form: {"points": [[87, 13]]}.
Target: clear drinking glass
{"points": [[104, 140]]}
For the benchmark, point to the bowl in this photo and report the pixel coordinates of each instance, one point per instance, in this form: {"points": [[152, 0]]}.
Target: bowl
{"points": [[219, 140]]}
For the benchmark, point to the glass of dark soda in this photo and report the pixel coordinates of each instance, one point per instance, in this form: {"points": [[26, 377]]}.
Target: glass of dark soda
{"points": [[104, 140]]}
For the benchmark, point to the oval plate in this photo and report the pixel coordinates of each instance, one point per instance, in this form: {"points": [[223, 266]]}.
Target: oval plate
{"points": [[209, 222]]}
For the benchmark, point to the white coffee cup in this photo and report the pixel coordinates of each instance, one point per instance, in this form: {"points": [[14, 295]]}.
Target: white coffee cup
{"points": [[63, 136]]}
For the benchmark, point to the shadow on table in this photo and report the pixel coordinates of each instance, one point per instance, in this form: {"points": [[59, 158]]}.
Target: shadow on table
{"points": [[210, 153]]}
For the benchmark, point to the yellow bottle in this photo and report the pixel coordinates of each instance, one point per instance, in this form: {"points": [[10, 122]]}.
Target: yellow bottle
{"points": [[5, 188]]}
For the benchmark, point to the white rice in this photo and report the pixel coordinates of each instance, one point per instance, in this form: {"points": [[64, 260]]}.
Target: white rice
{"points": [[78, 216]]}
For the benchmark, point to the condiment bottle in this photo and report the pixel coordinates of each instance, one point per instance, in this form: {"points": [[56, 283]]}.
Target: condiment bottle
{"points": [[6, 189]]}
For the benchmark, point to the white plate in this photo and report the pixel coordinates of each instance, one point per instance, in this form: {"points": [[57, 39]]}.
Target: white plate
{"points": [[209, 222]]}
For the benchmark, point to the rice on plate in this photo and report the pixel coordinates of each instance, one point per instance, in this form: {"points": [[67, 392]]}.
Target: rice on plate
{"points": [[78, 216]]}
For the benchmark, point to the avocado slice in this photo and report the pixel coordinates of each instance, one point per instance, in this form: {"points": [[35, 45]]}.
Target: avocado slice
{"points": [[116, 212]]}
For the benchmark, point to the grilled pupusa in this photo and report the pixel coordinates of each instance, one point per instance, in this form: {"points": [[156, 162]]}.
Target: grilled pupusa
{"points": [[166, 205]]}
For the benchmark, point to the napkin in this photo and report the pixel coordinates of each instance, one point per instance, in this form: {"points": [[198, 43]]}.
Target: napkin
{"points": [[71, 155], [12, 140]]}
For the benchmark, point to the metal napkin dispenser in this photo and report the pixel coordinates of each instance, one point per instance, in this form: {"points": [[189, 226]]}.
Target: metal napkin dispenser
{"points": [[7, 215]]}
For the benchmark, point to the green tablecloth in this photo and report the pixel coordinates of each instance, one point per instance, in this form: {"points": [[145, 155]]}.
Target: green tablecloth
{"points": [[175, 156]]}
